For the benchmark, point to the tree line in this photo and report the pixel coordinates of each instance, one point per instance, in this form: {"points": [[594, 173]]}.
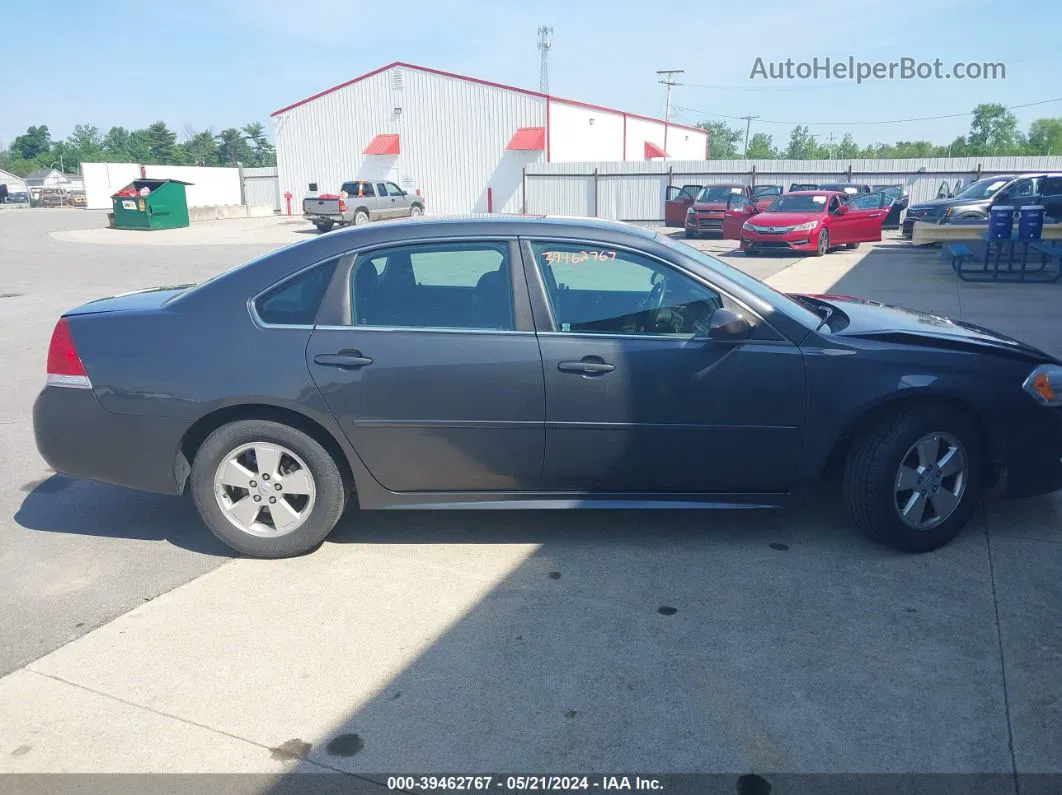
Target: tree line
{"points": [[156, 144], [993, 131]]}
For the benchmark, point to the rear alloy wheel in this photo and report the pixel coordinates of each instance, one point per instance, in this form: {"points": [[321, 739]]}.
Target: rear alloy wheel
{"points": [[913, 480], [325, 226], [415, 211], [361, 218], [266, 489], [823, 244]]}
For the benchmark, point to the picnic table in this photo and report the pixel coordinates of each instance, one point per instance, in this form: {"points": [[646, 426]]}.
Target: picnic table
{"points": [[1016, 268]]}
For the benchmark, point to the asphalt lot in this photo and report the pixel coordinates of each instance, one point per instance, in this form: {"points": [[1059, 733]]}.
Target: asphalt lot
{"points": [[458, 641]]}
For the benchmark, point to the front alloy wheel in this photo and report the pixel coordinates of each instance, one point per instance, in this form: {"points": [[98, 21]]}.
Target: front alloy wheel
{"points": [[823, 244], [931, 481]]}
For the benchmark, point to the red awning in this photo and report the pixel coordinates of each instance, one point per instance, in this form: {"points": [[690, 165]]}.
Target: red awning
{"points": [[383, 145], [652, 150], [529, 138]]}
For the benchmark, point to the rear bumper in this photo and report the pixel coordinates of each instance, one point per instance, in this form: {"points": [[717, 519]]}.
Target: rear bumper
{"points": [[78, 438], [316, 218]]}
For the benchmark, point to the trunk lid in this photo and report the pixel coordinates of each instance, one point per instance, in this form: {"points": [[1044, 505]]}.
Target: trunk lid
{"points": [[136, 301]]}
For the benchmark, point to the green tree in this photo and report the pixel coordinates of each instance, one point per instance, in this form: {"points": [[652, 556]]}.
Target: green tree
{"points": [[160, 141], [232, 148], [84, 144], [1045, 137], [264, 153], [994, 131], [34, 145], [802, 145], [724, 142], [201, 147], [761, 147], [847, 149]]}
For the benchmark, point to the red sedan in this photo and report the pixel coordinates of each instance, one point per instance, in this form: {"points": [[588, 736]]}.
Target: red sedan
{"points": [[816, 221]]}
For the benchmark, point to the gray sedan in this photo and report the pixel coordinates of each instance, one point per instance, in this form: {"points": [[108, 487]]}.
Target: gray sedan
{"points": [[514, 362]]}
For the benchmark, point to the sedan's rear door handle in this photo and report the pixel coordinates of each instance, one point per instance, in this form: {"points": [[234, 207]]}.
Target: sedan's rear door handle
{"points": [[586, 368], [342, 360]]}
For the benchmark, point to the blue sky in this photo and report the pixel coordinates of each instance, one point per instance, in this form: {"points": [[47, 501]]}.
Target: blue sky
{"points": [[227, 62]]}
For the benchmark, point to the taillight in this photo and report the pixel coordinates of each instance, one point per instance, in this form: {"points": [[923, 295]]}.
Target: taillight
{"points": [[64, 364], [342, 206]]}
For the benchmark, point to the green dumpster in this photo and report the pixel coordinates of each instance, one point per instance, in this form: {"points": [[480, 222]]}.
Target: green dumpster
{"points": [[151, 204]]}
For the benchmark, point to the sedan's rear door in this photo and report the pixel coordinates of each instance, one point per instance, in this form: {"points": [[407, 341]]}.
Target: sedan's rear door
{"points": [[433, 369]]}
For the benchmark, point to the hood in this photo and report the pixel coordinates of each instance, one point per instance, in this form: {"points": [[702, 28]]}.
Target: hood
{"points": [[705, 206], [783, 219], [872, 320], [151, 298]]}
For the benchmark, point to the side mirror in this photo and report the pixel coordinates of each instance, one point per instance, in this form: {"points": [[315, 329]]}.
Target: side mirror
{"points": [[728, 326], [752, 209]]}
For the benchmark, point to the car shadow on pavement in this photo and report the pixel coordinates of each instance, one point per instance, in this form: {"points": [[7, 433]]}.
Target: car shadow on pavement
{"points": [[59, 504]]}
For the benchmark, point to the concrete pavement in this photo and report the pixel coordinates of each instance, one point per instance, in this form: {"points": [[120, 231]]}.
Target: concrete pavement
{"points": [[533, 642]]}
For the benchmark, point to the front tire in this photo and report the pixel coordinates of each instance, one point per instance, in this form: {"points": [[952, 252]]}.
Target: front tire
{"points": [[266, 489], [913, 479], [416, 211], [823, 244]]}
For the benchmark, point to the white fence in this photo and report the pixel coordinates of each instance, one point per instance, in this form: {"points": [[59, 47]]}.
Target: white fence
{"points": [[635, 191], [209, 186]]}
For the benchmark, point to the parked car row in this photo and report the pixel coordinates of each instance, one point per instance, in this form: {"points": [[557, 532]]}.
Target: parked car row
{"points": [[679, 200], [976, 200]]}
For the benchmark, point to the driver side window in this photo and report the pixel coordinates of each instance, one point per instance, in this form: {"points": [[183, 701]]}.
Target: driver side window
{"points": [[834, 203], [595, 289]]}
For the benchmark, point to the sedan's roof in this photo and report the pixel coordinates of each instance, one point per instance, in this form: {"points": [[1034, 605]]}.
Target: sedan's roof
{"points": [[499, 223]]}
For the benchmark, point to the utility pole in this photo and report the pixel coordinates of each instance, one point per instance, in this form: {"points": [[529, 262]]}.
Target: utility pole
{"points": [[829, 146], [748, 124], [545, 41], [668, 79]]}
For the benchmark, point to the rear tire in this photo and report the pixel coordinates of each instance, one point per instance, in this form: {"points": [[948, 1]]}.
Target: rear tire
{"points": [[319, 476], [324, 227], [361, 218], [885, 458]]}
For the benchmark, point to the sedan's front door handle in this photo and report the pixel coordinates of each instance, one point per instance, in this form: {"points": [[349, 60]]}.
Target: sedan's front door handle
{"points": [[586, 368], [342, 360]]}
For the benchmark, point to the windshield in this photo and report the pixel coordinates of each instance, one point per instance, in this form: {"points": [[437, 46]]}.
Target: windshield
{"points": [[851, 190], [719, 193], [768, 190], [982, 189], [768, 297], [795, 203]]}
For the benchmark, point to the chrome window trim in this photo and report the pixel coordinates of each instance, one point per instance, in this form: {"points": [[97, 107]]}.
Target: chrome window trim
{"points": [[428, 329]]}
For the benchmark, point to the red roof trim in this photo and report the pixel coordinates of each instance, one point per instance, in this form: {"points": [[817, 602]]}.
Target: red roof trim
{"points": [[652, 150], [528, 138], [466, 78], [386, 144]]}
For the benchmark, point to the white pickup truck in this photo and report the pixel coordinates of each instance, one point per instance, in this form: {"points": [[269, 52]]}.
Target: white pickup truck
{"points": [[359, 202]]}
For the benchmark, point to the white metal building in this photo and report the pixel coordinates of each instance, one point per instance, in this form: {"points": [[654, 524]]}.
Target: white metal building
{"points": [[462, 142]]}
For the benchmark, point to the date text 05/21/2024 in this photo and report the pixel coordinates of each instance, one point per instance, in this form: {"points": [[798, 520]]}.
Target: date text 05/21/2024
{"points": [[522, 783]]}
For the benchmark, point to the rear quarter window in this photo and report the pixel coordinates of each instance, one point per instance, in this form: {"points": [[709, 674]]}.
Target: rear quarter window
{"points": [[296, 301]]}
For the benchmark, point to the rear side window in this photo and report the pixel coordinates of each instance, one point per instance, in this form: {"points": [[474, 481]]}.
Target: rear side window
{"points": [[354, 189], [296, 301]]}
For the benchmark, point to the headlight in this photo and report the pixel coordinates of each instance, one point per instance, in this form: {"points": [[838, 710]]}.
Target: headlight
{"points": [[748, 227], [1044, 385], [804, 227]]}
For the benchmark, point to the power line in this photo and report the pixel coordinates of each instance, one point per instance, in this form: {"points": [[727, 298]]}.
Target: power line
{"points": [[853, 123]]}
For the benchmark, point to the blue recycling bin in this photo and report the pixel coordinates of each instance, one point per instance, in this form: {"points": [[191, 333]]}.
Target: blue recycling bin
{"points": [[1030, 222], [1000, 223]]}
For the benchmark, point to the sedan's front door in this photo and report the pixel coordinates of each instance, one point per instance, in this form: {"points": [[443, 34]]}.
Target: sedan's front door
{"points": [[739, 209], [866, 215], [638, 398], [437, 379], [676, 203]]}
